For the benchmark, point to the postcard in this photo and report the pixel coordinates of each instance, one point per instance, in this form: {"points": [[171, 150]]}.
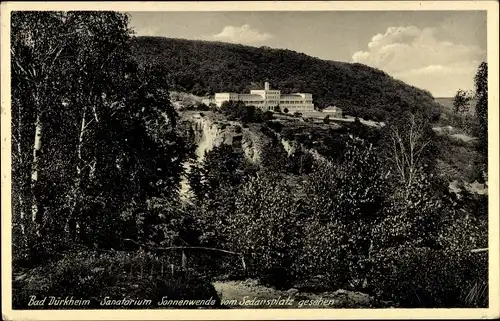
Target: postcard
{"points": [[250, 160]]}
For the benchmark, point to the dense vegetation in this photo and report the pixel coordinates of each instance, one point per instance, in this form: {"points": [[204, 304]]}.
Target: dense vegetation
{"points": [[97, 160], [202, 68], [96, 146], [358, 218]]}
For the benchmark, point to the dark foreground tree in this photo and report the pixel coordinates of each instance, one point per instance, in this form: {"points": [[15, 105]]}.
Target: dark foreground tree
{"points": [[92, 132], [481, 84]]}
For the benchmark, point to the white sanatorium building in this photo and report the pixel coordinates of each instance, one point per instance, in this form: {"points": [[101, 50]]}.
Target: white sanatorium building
{"points": [[269, 99]]}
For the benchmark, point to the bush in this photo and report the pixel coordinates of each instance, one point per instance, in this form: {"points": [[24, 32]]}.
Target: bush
{"points": [[265, 227], [343, 200], [274, 158], [301, 162], [94, 276], [237, 110], [274, 125], [420, 277], [332, 249]]}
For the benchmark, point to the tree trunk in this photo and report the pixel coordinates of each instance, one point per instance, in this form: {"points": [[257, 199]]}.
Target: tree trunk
{"points": [[71, 221], [36, 210], [21, 184]]}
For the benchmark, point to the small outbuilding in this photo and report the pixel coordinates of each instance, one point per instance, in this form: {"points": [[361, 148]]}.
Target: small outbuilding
{"points": [[333, 111]]}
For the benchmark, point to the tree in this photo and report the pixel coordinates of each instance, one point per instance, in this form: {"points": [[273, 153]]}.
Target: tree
{"points": [[407, 146], [344, 198], [285, 110], [37, 81], [326, 120], [95, 131], [237, 110], [461, 102], [267, 214], [274, 157], [214, 183], [481, 85]]}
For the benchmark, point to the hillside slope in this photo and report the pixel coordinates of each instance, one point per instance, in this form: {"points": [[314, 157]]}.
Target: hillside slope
{"points": [[202, 67]]}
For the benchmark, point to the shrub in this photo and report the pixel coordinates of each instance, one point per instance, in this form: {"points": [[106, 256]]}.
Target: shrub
{"points": [[301, 162], [237, 110], [274, 157], [353, 188], [202, 107], [93, 276], [265, 227], [343, 199], [334, 250], [420, 277], [274, 125]]}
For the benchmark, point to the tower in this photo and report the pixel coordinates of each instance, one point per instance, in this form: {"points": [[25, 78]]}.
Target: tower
{"points": [[266, 85]]}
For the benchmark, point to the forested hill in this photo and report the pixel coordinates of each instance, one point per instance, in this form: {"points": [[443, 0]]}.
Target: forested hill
{"points": [[203, 67]]}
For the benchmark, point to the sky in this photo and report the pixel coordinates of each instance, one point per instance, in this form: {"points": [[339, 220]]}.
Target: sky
{"points": [[434, 50]]}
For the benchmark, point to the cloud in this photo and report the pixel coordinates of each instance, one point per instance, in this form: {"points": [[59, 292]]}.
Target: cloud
{"points": [[419, 58], [243, 35]]}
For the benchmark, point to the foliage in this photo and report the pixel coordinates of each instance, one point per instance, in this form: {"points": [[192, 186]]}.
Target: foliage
{"points": [[457, 161], [465, 122], [265, 227], [214, 183], [237, 110], [274, 157], [94, 276], [106, 138], [343, 201], [481, 84], [412, 215], [407, 145], [461, 101], [98, 155], [301, 162], [420, 277], [199, 67]]}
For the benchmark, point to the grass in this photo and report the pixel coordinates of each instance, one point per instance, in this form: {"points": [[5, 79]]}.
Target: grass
{"points": [[94, 276], [457, 160], [477, 296]]}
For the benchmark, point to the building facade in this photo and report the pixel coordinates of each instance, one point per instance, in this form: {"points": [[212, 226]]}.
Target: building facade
{"points": [[334, 111], [269, 99]]}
